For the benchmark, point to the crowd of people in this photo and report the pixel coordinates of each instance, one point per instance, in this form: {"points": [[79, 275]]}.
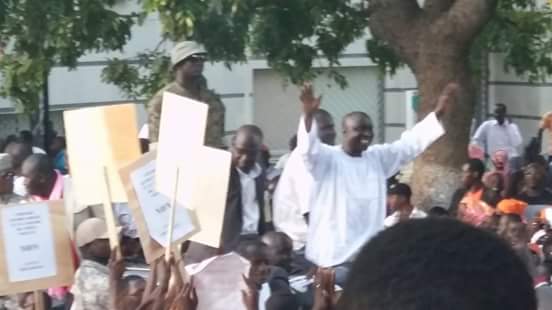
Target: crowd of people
{"points": [[327, 227]]}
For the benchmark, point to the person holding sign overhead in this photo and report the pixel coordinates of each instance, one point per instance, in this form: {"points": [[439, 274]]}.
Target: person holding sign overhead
{"points": [[187, 59]]}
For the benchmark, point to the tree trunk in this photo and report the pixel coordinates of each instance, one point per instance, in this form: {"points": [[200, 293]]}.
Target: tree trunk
{"points": [[437, 172], [434, 41]]}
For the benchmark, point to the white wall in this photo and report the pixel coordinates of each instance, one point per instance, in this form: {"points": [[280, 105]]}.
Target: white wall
{"points": [[83, 86]]}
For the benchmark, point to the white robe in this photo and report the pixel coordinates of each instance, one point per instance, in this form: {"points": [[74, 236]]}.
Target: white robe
{"points": [[347, 205]]}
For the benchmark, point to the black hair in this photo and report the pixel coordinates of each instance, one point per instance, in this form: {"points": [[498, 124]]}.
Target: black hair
{"points": [[26, 136], [253, 129], [438, 211], [321, 113], [252, 249], [437, 264], [42, 164], [9, 139], [357, 115], [476, 165], [502, 105], [249, 129]]}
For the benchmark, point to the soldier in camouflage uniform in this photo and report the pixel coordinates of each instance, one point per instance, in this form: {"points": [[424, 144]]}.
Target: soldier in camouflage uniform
{"points": [[187, 59]]}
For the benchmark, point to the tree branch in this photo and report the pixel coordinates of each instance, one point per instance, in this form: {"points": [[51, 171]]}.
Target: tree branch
{"points": [[466, 18], [395, 22]]}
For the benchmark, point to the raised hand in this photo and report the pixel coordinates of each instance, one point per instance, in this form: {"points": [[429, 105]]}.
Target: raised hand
{"points": [[250, 296], [116, 269], [310, 103], [186, 299], [324, 290], [446, 98]]}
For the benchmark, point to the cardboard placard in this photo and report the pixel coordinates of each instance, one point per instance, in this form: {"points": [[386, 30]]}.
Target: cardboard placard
{"points": [[36, 251], [152, 248], [97, 139], [181, 134], [209, 181], [219, 282]]}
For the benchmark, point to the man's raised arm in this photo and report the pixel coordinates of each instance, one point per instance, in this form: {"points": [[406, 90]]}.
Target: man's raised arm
{"points": [[414, 141]]}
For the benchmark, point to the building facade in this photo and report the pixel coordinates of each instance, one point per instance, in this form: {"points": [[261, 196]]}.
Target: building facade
{"points": [[254, 93]]}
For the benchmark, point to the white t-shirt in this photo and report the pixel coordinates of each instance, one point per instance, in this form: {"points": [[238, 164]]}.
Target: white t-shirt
{"points": [[394, 218], [493, 137], [349, 196]]}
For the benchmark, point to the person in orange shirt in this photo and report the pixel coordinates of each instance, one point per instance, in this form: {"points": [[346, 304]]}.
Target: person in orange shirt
{"points": [[468, 204]]}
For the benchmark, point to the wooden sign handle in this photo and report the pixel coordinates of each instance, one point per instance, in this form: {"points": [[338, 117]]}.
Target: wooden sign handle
{"points": [[109, 216], [39, 300], [168, 248]]}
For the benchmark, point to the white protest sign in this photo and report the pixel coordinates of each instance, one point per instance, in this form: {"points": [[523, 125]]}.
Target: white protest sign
{"points": [[156, 207], [181, 135], [35, 248], [219, 282], [29, 245]]}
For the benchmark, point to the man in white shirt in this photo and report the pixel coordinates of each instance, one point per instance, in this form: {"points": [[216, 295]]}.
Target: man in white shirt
{"points": [[348, 200], [292, 196], [498, 134], [398, 200]]}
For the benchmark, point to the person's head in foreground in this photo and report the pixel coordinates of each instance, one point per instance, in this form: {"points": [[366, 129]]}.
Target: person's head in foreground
{"points": [[39, 173], [92, 240], [435, 264]]}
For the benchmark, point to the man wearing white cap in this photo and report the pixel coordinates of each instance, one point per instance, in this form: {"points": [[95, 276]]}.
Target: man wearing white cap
{"points": [[187, 59], [6, 181], [91, 288]]}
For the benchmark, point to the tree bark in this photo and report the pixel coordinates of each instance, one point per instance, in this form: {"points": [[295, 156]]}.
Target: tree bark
{"points": [[434, 41]]}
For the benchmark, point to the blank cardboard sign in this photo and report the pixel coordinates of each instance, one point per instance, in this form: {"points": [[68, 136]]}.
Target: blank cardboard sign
{"points": [[35, 248], [99, 138], [209, 181], [181, 135]]}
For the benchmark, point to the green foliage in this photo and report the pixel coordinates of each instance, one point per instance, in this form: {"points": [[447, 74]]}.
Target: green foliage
{"points": [[290, 34], [521, 31], [39, 34], [146, 76], [293, 34]]}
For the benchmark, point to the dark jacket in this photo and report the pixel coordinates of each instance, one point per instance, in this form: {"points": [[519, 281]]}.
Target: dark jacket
{"points": [[233, 216], [232, 223]]}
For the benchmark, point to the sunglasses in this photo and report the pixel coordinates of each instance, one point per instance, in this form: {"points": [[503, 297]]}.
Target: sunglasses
{"points": [[197, 58]]}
